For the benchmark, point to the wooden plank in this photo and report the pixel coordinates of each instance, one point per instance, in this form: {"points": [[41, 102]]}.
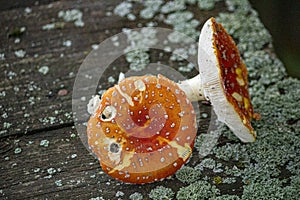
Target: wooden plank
{"points": [[55, 164], [37, 108], [31, 101]]}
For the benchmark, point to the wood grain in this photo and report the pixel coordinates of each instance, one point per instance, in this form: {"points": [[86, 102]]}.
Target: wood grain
{"points": [[35, 107]]}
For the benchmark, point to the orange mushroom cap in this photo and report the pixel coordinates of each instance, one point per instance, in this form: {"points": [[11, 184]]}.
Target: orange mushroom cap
{"points": [[143, 129], [224, 79]]}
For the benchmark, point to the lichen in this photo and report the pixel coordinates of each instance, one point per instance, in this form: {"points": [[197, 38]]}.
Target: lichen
{"points": [[266, 169], [136, 196], [208, 163], [207, 4], [18, 150], [234, 152], [161, 193], [183, 22], [58, 183], [44, 143], [20, 53], [270, 189], [264, 68], [73, 15], [139, 43], [151, 8], [44, 69], [227, 197], [123, 9], [51, 171], [172, 6], [247, 28], [138, 59], [238, 5], [188, 174], [198, 191]]}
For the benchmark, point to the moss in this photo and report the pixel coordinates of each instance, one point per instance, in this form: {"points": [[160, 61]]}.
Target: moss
{"points": [[161, 193], [188, 174], [217, 180], [198, 191]]}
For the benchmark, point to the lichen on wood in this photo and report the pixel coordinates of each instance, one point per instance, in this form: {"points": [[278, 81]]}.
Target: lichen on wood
{"points": [[39, 65]]}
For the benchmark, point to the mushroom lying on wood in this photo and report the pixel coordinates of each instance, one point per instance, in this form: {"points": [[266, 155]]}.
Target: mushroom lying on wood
{"points": [[143, 129], [222, 81]]}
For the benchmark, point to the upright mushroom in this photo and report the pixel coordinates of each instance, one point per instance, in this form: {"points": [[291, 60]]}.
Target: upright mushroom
{"points": [[143, 129], [223, 81]]}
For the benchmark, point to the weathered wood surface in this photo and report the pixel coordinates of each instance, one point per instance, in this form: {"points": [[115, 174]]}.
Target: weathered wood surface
{"points": [[33, 108], [37, 107], [33, 96]]}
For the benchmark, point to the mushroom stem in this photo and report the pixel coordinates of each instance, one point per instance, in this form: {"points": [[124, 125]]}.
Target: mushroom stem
{"points": [[193, 88]]}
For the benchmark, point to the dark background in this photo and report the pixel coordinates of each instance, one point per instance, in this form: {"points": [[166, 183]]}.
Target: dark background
{"points": [[282, 19]]}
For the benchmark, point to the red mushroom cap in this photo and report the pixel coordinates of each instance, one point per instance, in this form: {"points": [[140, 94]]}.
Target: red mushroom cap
{"points": [[224, 79], [143, 129]]}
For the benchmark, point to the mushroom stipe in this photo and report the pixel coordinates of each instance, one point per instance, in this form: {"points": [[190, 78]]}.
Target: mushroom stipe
{"points": [[143, 129]]}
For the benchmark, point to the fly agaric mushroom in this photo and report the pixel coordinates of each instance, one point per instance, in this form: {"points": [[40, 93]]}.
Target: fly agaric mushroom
{"points": [[143, 129], [223, 81]]}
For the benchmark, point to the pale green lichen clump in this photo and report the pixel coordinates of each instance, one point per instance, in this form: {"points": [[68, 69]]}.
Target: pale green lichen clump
{"points": [[188, 174], [161, 193], [199, 190], [136, 196], [268, 168]]}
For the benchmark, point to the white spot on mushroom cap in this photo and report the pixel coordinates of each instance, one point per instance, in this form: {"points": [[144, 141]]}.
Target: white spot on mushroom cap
{"points": [[172, 125], [140, 85], [108, 113], [237, 96], [93, 104], [240, 81]]}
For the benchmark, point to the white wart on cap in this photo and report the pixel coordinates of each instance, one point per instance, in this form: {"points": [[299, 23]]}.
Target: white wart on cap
{"points": [[224, 80]]}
